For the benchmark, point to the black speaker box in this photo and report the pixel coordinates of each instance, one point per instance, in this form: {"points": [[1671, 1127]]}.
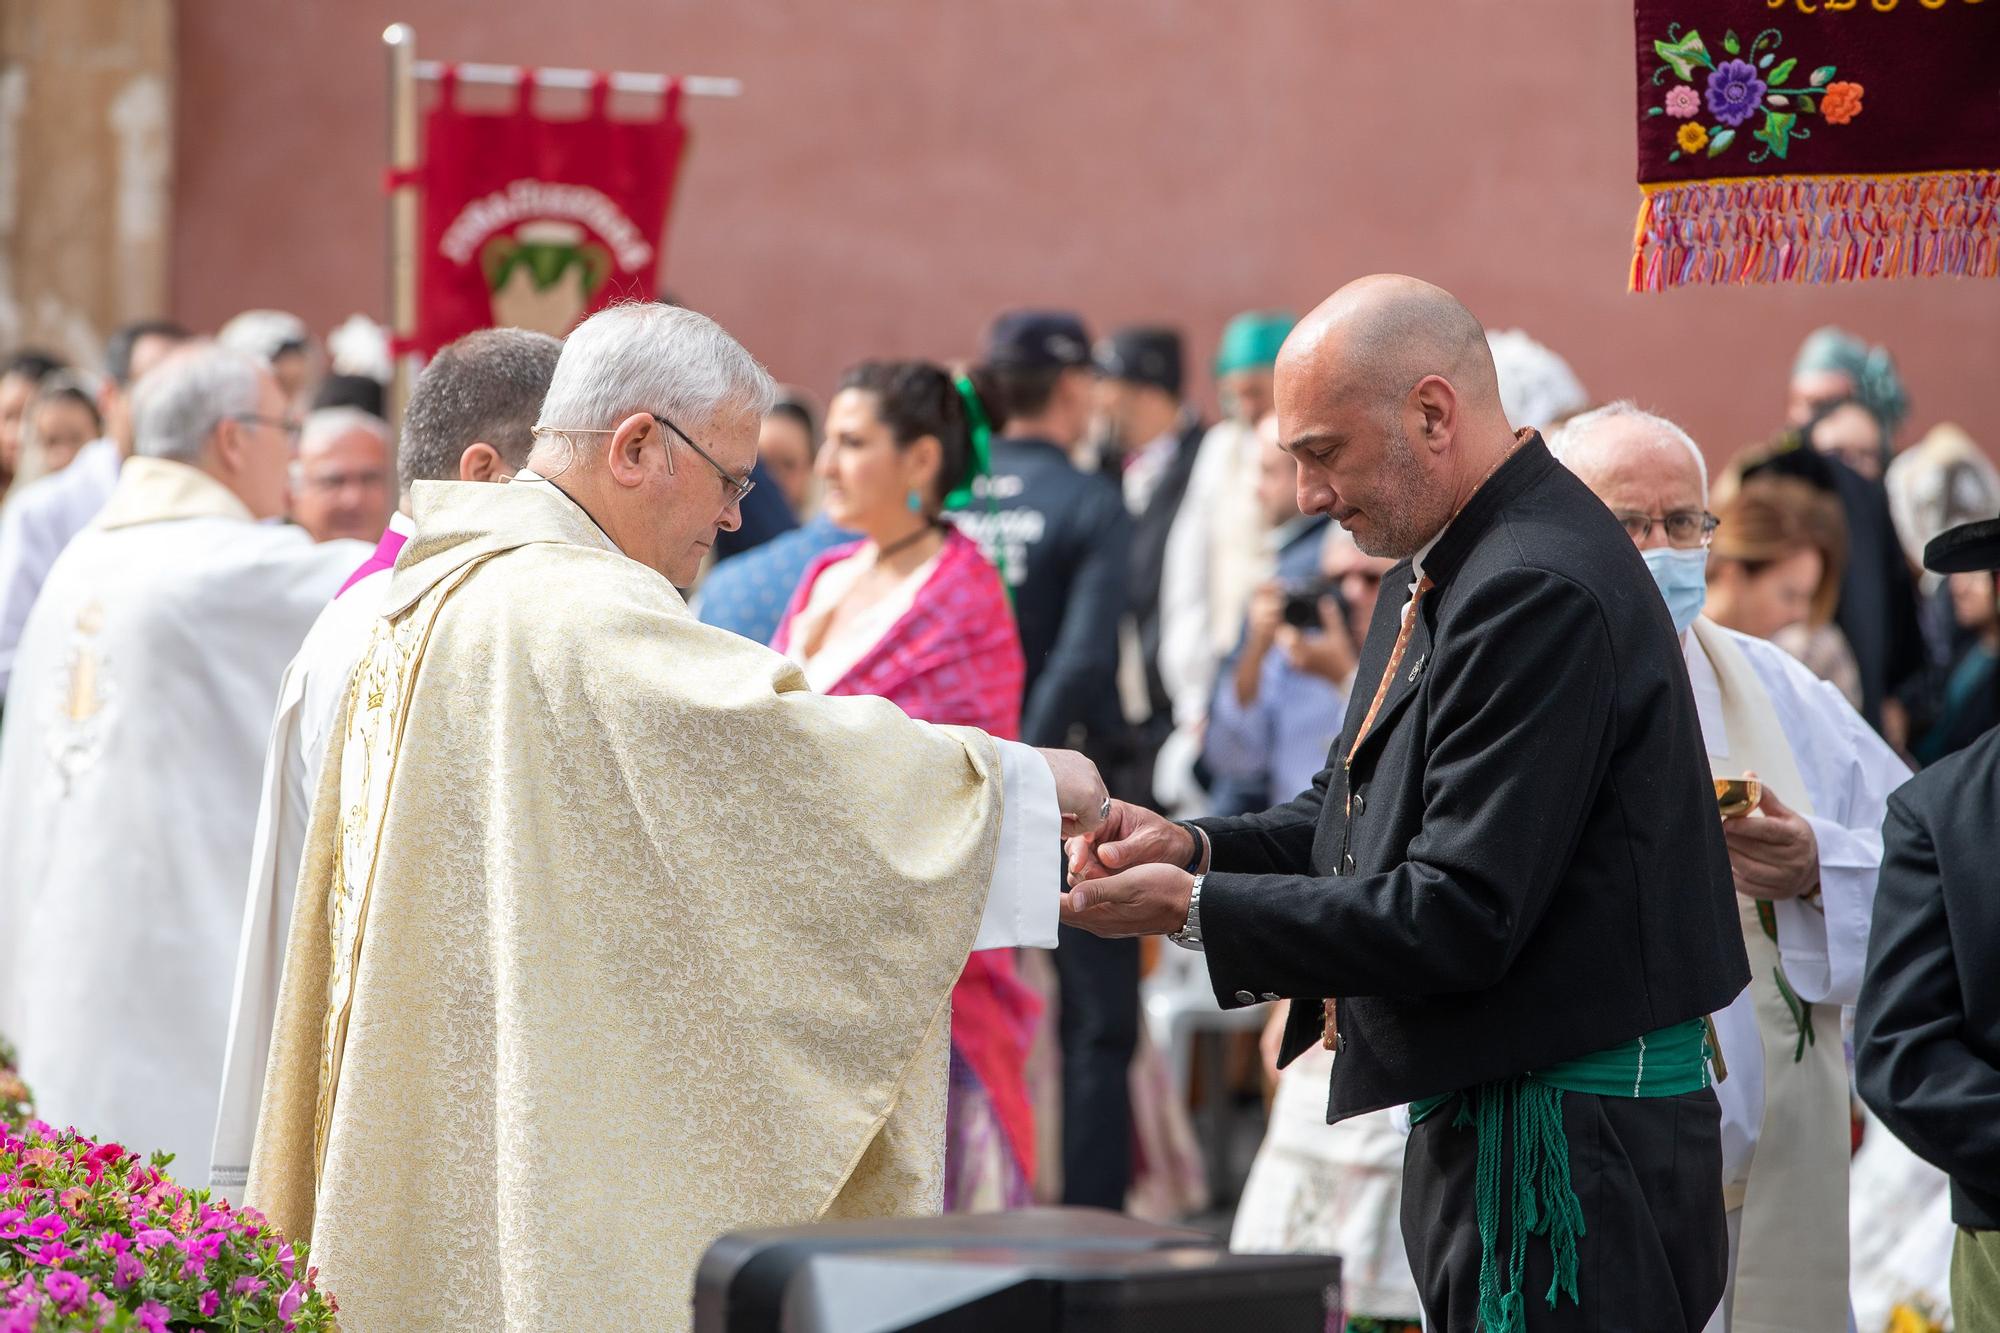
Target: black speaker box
{"points": [[1059, 1270]]}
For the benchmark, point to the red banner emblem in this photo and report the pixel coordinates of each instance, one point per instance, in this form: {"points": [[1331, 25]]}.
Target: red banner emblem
{"points": [[537, 223]]}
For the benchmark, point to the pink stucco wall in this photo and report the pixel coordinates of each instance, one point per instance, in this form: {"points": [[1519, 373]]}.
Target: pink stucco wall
{"points": [[899, 169]]}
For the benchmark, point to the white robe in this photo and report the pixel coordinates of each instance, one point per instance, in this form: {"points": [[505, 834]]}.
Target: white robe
{"points": [[135, 725], [1849, 773], [38, 521], [1021, 906], [308, 704], [1213, 561]]}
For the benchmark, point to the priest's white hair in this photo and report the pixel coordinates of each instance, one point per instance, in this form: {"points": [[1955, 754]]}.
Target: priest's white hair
{"points": [[663, 359], [1573, 440], [326, 423], [177, 406]]}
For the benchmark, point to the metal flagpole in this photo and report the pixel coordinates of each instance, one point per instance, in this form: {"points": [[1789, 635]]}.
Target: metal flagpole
{"points": [[399, 40]]}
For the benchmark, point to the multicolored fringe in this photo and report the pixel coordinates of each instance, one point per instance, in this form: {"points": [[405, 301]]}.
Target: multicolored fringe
{"points": [[1818, 229]]}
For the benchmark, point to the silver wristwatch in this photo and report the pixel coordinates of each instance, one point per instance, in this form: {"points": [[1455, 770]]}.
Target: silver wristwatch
{"points": [[1189, 935]]}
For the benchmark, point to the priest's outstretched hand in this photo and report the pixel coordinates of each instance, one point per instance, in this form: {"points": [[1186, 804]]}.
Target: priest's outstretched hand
{"points": [[1080, 793]]}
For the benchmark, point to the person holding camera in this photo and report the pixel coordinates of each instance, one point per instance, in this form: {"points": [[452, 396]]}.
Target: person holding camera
{"points": [[1283, 694]]}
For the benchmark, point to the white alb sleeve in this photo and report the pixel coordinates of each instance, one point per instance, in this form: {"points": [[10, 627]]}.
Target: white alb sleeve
{"points": [[1022, 902]]}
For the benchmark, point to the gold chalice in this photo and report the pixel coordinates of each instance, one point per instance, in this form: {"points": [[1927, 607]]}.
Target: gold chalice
{"points": [[1737, 797]]}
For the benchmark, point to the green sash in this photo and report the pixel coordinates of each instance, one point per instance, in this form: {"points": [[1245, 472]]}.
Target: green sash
{"points": [[1540, 1197]]}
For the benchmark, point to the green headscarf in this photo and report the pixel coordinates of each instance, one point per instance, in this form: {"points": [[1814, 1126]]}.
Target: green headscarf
{"points": [[1251, 341], [1872, 369]]}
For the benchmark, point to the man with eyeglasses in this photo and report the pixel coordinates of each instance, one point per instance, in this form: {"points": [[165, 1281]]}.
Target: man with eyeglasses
{"points": [[599, 902], [341, 481], [1805, 859], [137, 715]]}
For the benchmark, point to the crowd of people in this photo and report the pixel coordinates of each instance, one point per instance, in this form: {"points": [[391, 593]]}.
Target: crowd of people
{"points": [[222, 565]]}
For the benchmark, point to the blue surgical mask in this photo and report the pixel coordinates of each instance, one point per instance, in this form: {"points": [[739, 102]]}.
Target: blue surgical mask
{"points": [[1682, 577]]}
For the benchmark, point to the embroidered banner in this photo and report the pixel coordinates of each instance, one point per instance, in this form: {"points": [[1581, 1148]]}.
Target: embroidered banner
{"points": [[536, 223], [1817, 141]]}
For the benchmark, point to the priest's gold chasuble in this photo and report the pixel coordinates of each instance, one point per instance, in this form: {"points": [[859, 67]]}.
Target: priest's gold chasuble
{"points": [[611, 937]]}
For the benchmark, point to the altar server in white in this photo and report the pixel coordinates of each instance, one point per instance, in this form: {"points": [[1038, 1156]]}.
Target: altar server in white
{"points": [[136, 720], [1806, 862]]}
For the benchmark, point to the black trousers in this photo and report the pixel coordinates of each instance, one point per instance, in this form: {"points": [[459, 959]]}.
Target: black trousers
{"points": [[1099, 1028], [1654, 1254]]}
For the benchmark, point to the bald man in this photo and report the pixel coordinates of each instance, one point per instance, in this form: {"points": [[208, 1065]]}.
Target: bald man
{"points": [[1510, 873]]}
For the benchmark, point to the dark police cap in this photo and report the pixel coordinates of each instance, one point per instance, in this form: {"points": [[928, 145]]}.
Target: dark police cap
{"points": [[1967, 547], [1037, 340], [1143, 355]]}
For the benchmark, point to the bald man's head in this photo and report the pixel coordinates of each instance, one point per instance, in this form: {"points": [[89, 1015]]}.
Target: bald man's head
{"points": [[1383, 334], [1386, 394]]}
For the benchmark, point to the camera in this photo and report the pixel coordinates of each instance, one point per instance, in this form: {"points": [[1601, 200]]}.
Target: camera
{"points": [[1302, 602]]}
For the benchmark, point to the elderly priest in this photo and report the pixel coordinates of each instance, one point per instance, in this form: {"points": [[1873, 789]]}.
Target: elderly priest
{"points": [[1511, 875], [611, 936]]}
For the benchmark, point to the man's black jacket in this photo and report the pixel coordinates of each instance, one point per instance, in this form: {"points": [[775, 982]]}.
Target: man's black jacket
{"points": [[1534, 868], [1927, 1028]]}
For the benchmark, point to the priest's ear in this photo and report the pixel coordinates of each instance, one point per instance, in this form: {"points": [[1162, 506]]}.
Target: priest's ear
{"points": [[482, 462], [639, 447]]}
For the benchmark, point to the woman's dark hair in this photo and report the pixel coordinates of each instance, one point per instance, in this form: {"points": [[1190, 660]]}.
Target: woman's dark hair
{"points": [[31, 363], [914, 399], [795, 410], [60, 388]]}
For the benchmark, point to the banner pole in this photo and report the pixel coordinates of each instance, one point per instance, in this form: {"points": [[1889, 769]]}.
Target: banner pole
{"points": [[399, 41]]}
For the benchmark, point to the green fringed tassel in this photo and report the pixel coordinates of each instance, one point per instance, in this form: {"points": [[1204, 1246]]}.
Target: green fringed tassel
{"points": [[1541, 1196], [1801, 1015]]}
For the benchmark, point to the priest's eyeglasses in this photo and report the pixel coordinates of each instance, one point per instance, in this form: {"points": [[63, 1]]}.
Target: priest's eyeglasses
{"points": [[733, 486], [1685, 528]]}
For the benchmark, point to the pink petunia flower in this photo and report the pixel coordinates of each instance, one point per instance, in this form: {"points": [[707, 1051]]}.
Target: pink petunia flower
{"points": [[289, 1303], [114, 1242], [209, 1304], [152, 1317], [1683, 101], [53, 1253], [151, 1238], [13, 1221], [128, 1269], [67, 1290], [247, 1285], [46, 1227]]}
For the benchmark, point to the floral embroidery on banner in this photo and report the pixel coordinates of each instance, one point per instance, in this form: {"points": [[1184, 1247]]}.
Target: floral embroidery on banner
{"points": [[1744, 85]]}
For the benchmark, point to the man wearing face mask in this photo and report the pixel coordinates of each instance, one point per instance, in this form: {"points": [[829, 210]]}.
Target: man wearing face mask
{"points": [[1805, 864]]}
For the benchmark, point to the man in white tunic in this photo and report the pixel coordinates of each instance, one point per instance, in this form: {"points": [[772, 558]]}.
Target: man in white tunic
{"points": [[128, 774], [1806, 862], [470, 417], [612, 936]]}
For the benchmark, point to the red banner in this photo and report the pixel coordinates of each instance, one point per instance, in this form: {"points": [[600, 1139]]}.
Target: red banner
{"points": [[536, 223]]}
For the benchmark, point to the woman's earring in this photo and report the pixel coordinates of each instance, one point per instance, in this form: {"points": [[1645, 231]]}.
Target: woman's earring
{"points": [[915, 502]]}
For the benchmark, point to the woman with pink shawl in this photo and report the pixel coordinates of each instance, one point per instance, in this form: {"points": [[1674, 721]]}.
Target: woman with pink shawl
{"points": [[914, 613]]}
